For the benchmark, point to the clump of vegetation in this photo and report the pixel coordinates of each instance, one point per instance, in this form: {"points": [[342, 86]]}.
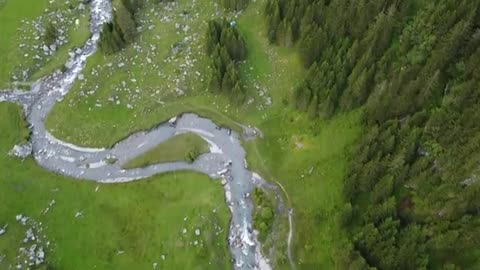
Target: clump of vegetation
{"points": [[413, 66], [111, 160], [263, 216], [192, 155], [117, 34], [51, 34], [226, 48]]}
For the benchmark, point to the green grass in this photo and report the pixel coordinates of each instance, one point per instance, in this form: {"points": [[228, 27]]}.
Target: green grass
{"points": [[14, 59], [78, 35], [309, 160], [183, 147], [144, 219], [315, 196], [11, 14]]}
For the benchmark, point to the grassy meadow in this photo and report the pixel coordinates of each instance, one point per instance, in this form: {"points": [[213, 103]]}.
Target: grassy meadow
{"points": [[21, 23], [307, 158], [163, 74], [125, 226]]}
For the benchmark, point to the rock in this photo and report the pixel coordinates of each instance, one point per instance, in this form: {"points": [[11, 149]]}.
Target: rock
{"points": [[21, 151], [40, 256], [197, 232], [29, 235], [173, 121], [3, 230]]}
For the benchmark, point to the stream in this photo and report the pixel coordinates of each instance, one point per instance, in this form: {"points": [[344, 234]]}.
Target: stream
{"points": [[225, 161]]}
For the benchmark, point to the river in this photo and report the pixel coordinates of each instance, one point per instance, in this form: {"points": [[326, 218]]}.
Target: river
{"points": [[225, 161]]}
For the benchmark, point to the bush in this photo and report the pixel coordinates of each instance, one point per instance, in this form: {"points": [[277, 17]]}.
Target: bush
{"points": [[51, 34]]}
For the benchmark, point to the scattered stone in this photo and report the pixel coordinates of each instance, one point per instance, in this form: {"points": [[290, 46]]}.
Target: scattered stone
{"points": [[22, 219], [21, 151], [29, 235], [4, 229]]}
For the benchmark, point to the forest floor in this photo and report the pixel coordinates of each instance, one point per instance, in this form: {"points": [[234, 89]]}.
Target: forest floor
{"points": [[164, 74]]}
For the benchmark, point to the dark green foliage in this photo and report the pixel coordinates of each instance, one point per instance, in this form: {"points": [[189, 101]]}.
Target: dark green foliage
{"points": [[192, 155], [111, 39], [226, 48], [264, 215], [51, 34], [123, 29], [414, 66]]}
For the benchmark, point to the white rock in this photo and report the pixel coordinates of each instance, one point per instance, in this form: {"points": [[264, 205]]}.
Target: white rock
{"points": [[3, 230]]}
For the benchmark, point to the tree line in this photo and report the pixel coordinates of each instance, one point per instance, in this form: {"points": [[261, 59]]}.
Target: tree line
{"points": [[412, 189], [226, 49]]}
